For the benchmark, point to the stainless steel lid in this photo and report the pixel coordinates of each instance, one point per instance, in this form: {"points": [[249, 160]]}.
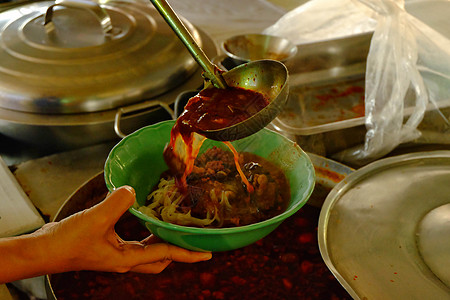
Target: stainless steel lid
{"points": [[384, 230], [74, 56]]}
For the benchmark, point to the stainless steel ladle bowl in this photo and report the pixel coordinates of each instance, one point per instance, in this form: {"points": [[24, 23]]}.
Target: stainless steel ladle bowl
{"points": [[268, 77]]}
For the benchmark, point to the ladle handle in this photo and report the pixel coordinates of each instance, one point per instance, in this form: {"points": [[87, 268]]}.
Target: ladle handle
{"points": [[211, 71]]}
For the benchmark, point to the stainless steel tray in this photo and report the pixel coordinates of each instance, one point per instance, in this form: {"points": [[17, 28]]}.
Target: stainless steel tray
{"points": [[325, 111], [328, 174], [372, 233]]}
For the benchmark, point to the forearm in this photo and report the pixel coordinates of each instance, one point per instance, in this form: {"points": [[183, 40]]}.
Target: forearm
{"points": [[24, 257]]}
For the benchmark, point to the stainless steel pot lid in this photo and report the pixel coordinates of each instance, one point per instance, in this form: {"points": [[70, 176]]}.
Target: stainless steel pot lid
{"points": [[383, 230], [87, 57]]}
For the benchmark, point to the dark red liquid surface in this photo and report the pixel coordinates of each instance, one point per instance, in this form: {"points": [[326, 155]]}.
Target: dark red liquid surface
{"points": [[215, 108]]}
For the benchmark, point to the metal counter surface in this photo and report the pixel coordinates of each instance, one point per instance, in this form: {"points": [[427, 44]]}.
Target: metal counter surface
{"points": [[50, 177]]}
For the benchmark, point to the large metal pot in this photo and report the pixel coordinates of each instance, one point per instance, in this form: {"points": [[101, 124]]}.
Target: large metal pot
{"points": [[89, 194], [72, 69]]}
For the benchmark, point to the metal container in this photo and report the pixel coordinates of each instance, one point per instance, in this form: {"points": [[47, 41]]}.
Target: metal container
{"points": [[89, 194], [77, 56], [68, 66], [250, 47], [328, 174], [325, 108], [383, 230]]}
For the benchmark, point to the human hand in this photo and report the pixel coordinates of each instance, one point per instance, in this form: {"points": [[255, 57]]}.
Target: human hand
{"points": [[87, 241]]}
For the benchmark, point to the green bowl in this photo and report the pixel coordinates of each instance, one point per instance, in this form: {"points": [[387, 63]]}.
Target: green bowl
{"points": [[137, 160]]}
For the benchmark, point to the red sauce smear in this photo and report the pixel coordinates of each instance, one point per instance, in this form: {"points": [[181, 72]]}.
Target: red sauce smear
{"points": [[334, 176], [359, 109], [211, 109], [336, 94]]}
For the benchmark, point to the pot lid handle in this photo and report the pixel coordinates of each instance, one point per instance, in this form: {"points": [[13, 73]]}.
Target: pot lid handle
{"points": [[99, 12]]}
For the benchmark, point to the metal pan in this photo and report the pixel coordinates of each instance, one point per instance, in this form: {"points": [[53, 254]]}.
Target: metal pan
{"points": [[89, 194]]}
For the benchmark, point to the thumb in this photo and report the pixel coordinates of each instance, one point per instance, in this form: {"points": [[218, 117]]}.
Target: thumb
{"points": [[115, 204]]}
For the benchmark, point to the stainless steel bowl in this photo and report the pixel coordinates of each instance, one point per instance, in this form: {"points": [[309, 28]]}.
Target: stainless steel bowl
{"points": [[251, 47]]}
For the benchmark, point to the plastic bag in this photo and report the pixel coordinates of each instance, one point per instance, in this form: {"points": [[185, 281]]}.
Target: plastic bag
{"points": [[407, 71], [319, 20]]}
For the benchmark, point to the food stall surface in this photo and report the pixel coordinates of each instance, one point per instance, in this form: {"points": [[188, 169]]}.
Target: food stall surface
{"points": [[290, 254]]}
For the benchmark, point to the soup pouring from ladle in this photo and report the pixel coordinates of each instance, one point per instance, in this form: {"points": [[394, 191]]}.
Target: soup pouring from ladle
{"points": [[267, 77]]}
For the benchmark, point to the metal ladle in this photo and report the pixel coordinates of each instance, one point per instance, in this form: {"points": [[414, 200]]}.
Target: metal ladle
{"points": [[268, 77]]}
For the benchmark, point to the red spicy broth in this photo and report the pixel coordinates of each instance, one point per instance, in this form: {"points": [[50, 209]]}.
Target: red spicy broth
{"points": [[211, 109]]}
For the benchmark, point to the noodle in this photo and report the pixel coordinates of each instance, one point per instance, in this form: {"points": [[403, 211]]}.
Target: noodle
{"points": [[164, 205]]}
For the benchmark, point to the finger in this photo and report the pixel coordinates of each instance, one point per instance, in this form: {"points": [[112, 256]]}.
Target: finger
{"points": [[144, 254], [171, 252], [115, 204], [151, 239], [153, 268], [48, 225]]}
